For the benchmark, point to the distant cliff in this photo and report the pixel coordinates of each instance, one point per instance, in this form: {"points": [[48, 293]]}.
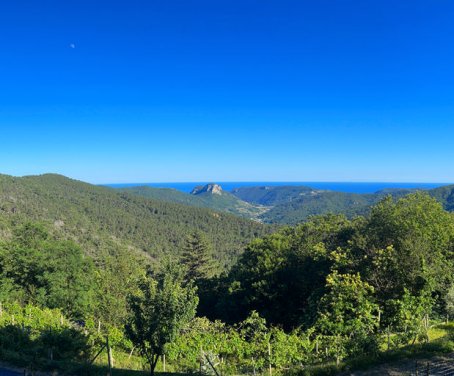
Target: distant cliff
{"points": [[212, 188]]}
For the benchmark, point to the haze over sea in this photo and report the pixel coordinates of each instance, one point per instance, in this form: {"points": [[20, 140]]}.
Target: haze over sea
{"points": [[350, 187]]}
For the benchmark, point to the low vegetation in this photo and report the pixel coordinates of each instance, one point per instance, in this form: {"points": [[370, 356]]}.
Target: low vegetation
{"points": [[329, 294]]}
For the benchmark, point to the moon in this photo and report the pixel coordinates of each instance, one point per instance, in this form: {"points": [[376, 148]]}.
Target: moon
{"points": [[72, 45]]}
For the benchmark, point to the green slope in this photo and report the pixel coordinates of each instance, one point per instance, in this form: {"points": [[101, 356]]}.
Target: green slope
{"points": [[270, 196], [445, 195], [223, 201], [317, 203], [288, 204], [291, 205], [101, 219]]}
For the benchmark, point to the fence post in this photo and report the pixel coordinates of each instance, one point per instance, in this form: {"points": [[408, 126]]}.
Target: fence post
{"points": [[388, 337], [269, 359], [130, 354], [109, 356], [201, 359]]}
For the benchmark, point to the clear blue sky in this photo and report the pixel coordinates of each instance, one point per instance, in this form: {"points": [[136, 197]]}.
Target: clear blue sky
{"points": [[219, 90]]}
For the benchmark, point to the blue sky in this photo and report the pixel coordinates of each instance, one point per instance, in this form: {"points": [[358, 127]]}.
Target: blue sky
{"points": [[227, 90]]}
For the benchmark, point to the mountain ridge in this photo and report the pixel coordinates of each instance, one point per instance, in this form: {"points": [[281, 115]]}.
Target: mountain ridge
{"points": [[288, 204]]}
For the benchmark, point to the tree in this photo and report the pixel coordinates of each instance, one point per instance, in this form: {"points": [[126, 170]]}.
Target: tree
{"points": [[450, 301], [411, 320], [69, 279], [35, 268], [197, 257], [421, 235], [282, 276], [162, 306], [348, 314]]}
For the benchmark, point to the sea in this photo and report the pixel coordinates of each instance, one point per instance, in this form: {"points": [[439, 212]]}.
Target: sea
{"points": [[350, 187]]}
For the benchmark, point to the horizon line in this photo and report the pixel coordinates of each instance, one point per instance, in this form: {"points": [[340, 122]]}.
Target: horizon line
{"points": [[279, 181]]}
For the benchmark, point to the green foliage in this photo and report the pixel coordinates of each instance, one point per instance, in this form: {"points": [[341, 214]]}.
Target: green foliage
{"points": [[160, 309], [35, 337], [271, 196], [348, 315], [222, 201], [326, 290], [197, 258], [450, 301], [282, 275], [411, 319], [243, 348], [294, 204], [35, 269], [103, 220]]}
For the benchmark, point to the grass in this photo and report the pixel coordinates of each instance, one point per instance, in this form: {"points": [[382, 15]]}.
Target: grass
{"points": [[441, 341]]}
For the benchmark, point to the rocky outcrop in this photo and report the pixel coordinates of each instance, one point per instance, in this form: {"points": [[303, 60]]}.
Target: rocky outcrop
{"points": [[212, 188]]}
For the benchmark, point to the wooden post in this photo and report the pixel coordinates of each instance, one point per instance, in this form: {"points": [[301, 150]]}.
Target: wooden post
{"points": [[211, 365], [130, 354], [388, 337], [1, 309], [269, 359], [164, 362], [201, 359], [109, 356]]}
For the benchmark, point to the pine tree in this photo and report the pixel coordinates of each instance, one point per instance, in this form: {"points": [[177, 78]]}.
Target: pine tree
{"points": [[197, 258]]}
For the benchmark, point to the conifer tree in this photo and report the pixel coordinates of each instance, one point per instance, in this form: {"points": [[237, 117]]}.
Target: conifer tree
{"points": [[197, 257]]}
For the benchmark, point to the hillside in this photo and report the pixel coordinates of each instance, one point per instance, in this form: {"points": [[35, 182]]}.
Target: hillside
{"points": [[291, 205], [324, 202], [284, 204], [203, 197], [445, 195], [270, 196], [101, 219]]}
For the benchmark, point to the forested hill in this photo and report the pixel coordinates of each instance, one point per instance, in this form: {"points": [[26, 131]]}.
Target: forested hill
{"points": [[273, 204], [325, 202], [101, 219], [271, 196], [222, 201], [295, 204]]}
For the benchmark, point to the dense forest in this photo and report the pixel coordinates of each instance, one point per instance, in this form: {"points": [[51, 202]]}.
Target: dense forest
{"points": [[316, 297], [103, 220]]}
